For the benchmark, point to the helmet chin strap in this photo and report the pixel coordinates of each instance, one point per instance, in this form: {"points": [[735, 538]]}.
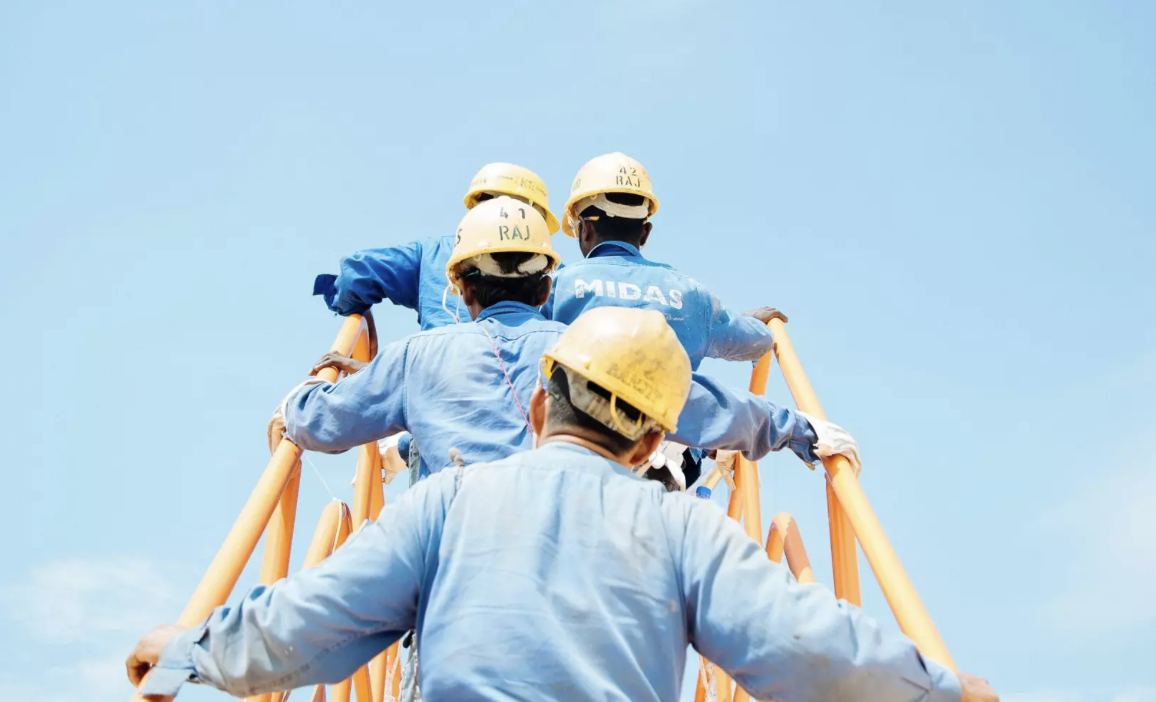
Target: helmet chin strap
{"points": [[454, 313]]}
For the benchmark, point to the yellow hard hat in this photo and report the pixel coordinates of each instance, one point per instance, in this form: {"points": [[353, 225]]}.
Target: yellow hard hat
{"points": [[609, 173], [515, 181], [498, 226], [632, 354]]}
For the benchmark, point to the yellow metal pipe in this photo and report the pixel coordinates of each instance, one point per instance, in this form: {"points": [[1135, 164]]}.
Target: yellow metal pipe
{"points": [[234, 554], [784, 539], [893, 580], [844, 561], [325, 536], [278, 543], [850, 503], [334, 520], [747, 472]]}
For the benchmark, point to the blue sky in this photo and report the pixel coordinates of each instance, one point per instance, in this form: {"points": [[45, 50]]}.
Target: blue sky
{"points": [[952, 200]]}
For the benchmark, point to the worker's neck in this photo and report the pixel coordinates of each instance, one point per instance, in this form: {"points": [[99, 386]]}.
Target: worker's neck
{"points": [[580, 438]]}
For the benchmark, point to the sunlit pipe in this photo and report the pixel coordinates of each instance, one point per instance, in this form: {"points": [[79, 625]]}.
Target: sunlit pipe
{"points": [[747, 472], [784, 539], [844, 563], [852, 503], [332, 528], [278, 542], [722, 681], [222, 574]]}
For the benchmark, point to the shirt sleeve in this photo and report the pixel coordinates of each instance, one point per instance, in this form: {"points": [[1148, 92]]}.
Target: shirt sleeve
{"points": [[322, 624], [734, 337], [370, 276], [363, 407], [715, 417], [784, 641]]}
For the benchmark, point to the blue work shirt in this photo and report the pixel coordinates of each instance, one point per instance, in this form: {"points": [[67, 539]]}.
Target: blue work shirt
{"points": [[447, 387], [411, 275], [615, 274], [554, 574]]}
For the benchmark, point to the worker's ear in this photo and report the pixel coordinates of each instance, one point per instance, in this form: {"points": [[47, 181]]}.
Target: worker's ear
{"points": [[587, 237], [538, 402], [647, 445], [544, 292], [645, 234], [467, 295]]}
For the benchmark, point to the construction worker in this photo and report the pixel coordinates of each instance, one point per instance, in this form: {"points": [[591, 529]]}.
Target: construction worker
{"points": [[467, 386], [413, 275], [609, 210], [556, 574]]}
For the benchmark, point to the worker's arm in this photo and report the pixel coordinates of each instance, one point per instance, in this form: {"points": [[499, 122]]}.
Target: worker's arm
{"points": [[319, 625], [372, 275], [784, 641], [715, 417], [363, 407], [735, 337]]}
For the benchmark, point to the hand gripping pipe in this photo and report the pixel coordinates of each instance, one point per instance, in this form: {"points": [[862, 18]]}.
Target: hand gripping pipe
{"points": [[226, 567], [846, 502]]}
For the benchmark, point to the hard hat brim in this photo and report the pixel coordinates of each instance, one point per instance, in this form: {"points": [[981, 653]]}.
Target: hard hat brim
{"points": [[568, 213]]}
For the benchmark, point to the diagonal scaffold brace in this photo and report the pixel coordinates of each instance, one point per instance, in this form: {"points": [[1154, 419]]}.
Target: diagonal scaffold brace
{"points": [[852, 517], [283, 469]]}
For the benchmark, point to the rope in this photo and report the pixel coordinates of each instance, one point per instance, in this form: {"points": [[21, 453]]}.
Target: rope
{"points": [[509, 382], [316, 472]]}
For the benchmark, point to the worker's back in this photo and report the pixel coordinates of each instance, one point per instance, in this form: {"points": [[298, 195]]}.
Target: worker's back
{"points": [[555, 579], [615, 274], [445, 386]]}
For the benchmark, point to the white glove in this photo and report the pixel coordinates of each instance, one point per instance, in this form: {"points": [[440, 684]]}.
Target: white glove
{"points": [[833, 440], [669, 456], [276, 429], [726, 462], [391, 461]]}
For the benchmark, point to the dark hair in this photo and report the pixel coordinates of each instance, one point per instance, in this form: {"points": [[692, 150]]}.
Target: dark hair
{"points": [[622, 229], [490, 289], [563, 413]]}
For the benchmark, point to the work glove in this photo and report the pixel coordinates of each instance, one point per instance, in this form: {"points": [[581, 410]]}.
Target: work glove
{"points": [[276, 429], [833, 440], [726, 462], [391, 461], [669, 456]]}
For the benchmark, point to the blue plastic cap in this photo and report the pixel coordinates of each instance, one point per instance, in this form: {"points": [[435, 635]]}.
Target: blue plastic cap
{"points": [[702, 492]]}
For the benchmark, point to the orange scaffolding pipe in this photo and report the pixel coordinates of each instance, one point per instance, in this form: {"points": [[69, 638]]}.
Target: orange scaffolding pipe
{"points": [[852, 517], [222, 574]]}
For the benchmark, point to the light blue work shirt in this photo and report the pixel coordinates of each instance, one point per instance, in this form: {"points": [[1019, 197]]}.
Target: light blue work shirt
{"points": [[448, 388], [554, 574], [614, 274], [411, 275]]}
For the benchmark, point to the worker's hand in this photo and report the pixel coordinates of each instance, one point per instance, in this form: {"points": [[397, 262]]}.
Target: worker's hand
{"points": [[392, 461], [275, 431], [833, 440], [726, 462], [333, 359], [976, 689], [766, 314], [148, 652]]}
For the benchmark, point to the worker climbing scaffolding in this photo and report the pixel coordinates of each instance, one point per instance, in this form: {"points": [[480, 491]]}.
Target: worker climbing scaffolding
{"points": [[532, 530], [465, 386], [413, 275], [561, 551], [609, 210]]}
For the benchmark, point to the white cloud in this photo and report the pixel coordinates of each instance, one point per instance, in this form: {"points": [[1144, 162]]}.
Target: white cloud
{"points": [[86, 600], [95, 680], [1108, 530]]}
